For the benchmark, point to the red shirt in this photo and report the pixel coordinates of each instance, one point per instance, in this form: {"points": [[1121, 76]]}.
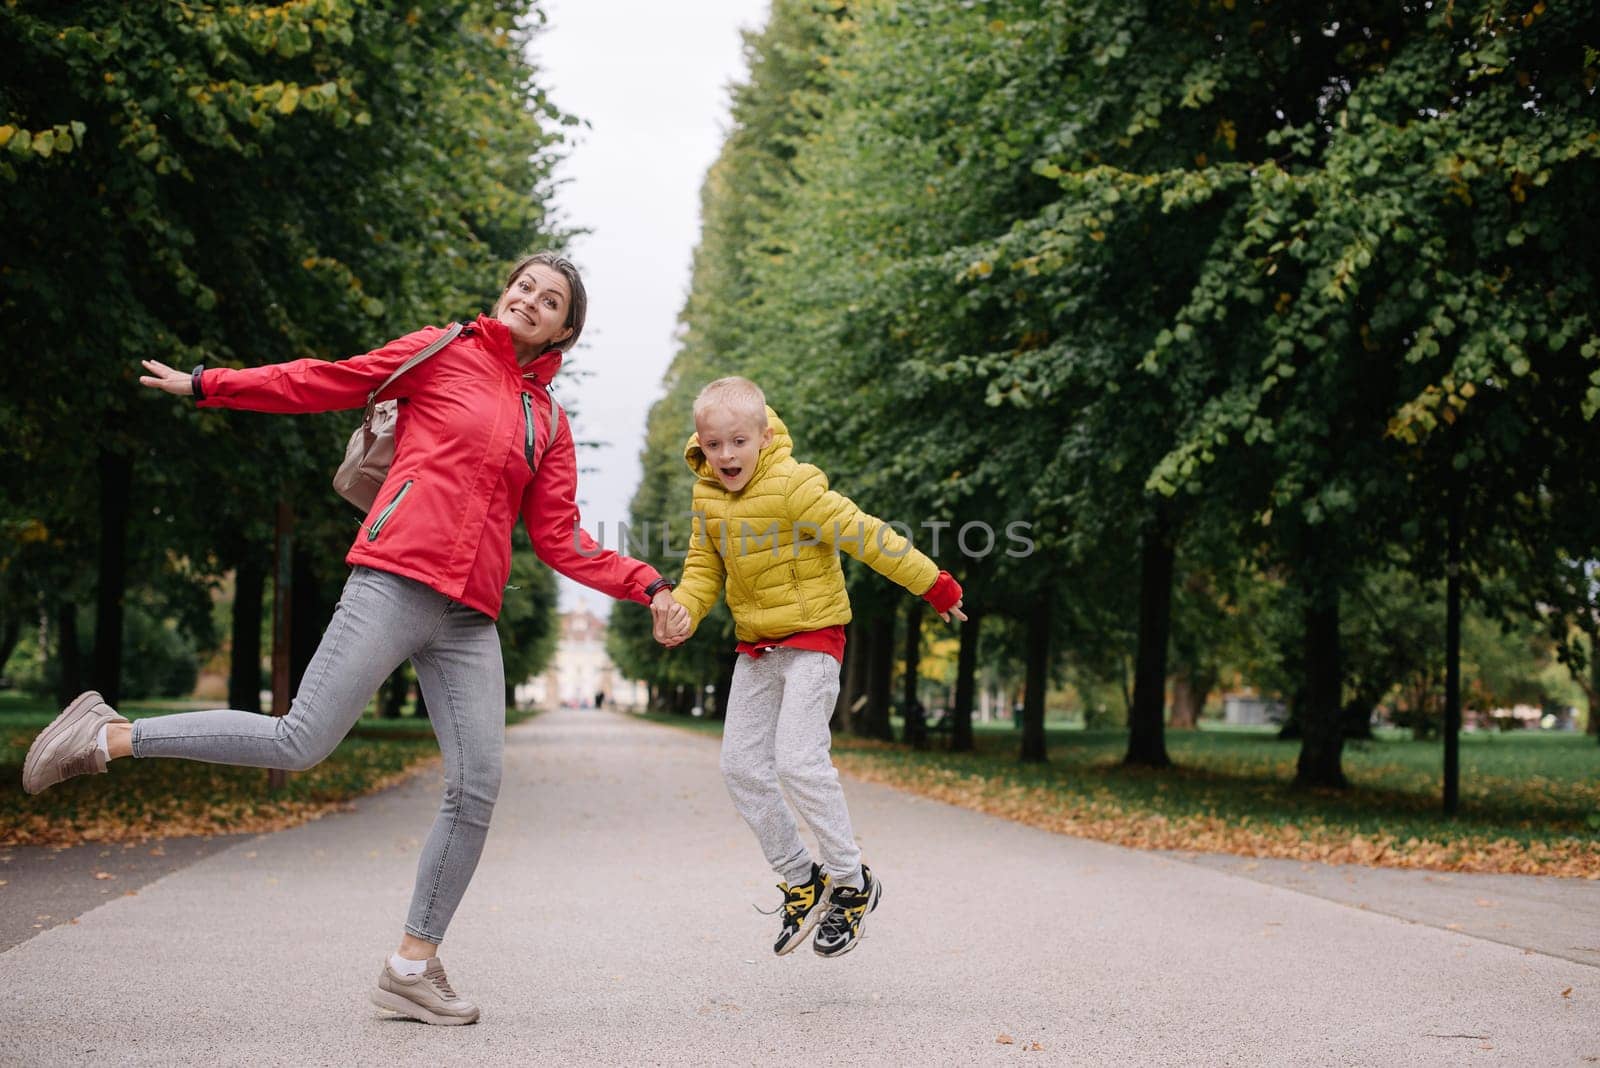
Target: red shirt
{"points": [[828, 640], [943, 595]]}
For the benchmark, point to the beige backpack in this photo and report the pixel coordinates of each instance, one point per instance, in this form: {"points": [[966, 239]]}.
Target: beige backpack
{"points": [[370, 453], [371, 449]]}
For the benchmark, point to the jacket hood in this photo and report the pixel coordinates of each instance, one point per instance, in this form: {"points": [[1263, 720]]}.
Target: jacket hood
{"points": [[541, 369], [777, 450]]}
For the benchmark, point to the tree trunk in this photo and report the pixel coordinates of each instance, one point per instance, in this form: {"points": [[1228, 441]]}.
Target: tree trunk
{"points": [[1452, 656], [850, 685], [1592, 691], [961, 740], [308, 615], [1356, 719], [392, 699], [724, 683], [1147, 745], [10, 635], [68, 653], [1290, 731], [115, 470], [1322, 733], [874, 720], [244, 667], [1190, 690], [916, 729], [1038, 680]]}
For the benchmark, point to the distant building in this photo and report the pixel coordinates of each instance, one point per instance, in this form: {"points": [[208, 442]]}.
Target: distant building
{"points": [[1246, 710], [581, 671]]}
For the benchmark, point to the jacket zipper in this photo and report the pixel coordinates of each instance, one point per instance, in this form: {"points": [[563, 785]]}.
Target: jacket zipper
{"points": [[527, 429], [388, 510], [799, 590]]}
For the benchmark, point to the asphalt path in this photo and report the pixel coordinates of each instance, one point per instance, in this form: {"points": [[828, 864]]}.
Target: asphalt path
{"points": [[611, 923]]}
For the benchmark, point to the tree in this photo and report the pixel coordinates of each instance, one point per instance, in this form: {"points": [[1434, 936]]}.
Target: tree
{"points": [[234, 183]]}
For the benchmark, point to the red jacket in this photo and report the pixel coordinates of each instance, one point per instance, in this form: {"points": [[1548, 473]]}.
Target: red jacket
{"points": [[470, 417]]}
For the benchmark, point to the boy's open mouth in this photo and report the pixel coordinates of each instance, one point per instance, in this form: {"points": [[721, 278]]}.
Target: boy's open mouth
{"points": [[731, 473]]}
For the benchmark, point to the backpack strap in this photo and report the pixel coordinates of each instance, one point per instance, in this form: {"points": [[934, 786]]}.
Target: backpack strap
{"points": [[449, 335], [555, 428]]}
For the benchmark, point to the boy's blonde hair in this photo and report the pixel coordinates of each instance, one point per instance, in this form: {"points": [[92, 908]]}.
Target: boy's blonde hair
{"points": [[740, 396]]}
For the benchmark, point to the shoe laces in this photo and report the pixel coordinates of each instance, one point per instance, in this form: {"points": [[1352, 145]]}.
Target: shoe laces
{"points": [[845, 909], [441, 983], [85, 763], [797, 901]]}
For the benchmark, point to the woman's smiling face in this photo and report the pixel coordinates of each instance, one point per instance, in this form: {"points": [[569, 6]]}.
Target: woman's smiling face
{"points": [[534, 308]]}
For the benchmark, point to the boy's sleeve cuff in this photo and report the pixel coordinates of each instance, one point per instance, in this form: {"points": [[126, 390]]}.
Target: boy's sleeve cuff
{"points": [[944, 593]]}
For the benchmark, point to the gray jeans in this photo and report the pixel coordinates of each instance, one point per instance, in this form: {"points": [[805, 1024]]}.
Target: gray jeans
{"points": [[382, 620], [776, 735]]}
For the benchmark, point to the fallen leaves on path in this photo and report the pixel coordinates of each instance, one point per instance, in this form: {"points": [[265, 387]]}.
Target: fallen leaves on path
{"points": [[182, 817], [1104, 819]]}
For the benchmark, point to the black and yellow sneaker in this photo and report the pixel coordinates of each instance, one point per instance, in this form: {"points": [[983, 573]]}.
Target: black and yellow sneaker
{"points": [[848, 908], [802, 907]]}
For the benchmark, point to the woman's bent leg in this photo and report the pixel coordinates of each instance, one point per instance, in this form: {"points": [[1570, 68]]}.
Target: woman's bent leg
{"points": [[380, 620], [463, 681]]}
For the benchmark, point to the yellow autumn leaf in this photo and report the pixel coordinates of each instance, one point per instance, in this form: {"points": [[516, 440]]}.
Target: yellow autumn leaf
{"points": [[288, 101]]}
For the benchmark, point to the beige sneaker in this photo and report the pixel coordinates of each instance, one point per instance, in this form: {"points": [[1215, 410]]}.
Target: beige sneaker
{"points": [[67, 747], [426, 997]]}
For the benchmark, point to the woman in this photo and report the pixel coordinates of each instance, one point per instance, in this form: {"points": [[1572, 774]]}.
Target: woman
{"points": [[476, 446]]}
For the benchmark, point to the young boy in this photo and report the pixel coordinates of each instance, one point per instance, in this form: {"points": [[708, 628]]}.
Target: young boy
{"points": [[769, 529]]}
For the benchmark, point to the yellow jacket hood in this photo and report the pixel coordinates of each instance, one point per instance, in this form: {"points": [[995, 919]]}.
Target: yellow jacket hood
{"points": [[780, 448]]}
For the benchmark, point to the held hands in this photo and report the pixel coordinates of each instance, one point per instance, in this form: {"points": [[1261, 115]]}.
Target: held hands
{"points": [[670, 620], [166, 379]]}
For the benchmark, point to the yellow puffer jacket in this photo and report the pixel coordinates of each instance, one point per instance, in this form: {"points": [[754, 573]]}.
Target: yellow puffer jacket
{"points": [[776, 543]]}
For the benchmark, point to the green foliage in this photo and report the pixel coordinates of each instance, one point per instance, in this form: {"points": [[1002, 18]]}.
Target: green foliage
{"points": [[771, 114], [1286, 283], [236, 184], [530, 614], [160, 657]]}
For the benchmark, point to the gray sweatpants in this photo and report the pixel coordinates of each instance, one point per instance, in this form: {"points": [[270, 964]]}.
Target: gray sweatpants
{"points": [[776, 739], [382, 620]]}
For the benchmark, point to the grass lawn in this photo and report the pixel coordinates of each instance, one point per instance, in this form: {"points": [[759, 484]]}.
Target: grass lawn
{"points": [[1530, 802], [141, 799]]}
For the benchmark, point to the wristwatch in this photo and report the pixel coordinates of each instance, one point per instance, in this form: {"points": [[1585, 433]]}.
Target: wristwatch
{"points": [[657, 586], [194, 382]]}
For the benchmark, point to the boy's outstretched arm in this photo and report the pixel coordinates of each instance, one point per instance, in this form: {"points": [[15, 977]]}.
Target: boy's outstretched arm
{"points": [[845, 527], [703, 576], [945, 597]]}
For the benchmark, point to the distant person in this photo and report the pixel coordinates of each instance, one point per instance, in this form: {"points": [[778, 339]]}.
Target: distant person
{"points": [[599, 698], [478, 444], [768, 528]]}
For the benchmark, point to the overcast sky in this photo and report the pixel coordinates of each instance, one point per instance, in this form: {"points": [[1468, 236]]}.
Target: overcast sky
{"points": [[651, 79]]}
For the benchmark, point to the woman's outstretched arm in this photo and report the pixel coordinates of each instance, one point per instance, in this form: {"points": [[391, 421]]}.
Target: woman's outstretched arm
{"points": [[299, 386]]}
